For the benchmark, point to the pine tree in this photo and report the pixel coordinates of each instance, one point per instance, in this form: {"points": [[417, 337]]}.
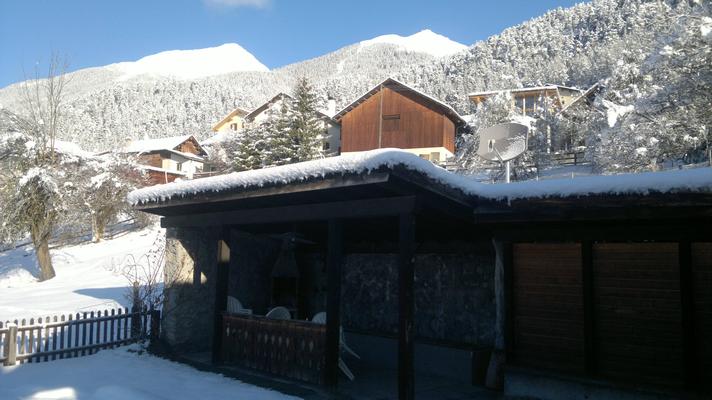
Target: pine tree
{"points": [[306, 128]]}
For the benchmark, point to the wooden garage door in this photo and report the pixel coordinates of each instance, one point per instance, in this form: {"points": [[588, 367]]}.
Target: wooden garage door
{"points": [[638, 327], [548, 306], [702, 278]]}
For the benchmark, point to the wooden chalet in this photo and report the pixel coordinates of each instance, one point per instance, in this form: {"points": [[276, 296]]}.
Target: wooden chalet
{"points": [[393, 114], [589, 288], [167, 159]]}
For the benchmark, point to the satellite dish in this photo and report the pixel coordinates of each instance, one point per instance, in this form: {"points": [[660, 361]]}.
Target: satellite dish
{"points": [[503, 142]]}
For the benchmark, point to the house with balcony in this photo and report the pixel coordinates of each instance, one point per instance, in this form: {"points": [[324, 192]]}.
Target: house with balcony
{"points": [[168, 159]]}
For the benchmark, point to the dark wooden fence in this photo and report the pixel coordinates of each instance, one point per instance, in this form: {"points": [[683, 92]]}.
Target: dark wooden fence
{"points": [[569, 158], [293, 349], [74, 335]]}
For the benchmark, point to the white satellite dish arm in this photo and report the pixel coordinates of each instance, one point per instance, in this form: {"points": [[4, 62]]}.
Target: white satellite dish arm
{"points": [[507, 171]]}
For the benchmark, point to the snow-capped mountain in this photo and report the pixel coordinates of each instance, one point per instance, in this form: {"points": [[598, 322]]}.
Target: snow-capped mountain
{"points": [[193, 64], [611, 41], [425, 41]]}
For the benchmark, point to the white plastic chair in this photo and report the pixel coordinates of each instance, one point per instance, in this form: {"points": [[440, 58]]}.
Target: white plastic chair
{"points": [[234, 306], [320, 318], [279, 312]]}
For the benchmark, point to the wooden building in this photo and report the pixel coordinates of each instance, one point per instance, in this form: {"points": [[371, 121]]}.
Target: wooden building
{"points": [[168, 159], [233, 122], [534, 101], [590, 288], [393, 114]]}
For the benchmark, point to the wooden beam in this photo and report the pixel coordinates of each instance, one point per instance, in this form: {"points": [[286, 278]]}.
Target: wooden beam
{"points": [[333, 301], [220, 301], [689, 338], [386, 206], [406, 306], [608, 231], [589, 349]]}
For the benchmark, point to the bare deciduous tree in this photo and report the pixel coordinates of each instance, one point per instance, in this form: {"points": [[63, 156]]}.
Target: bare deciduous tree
{"points": [[31, 199]]}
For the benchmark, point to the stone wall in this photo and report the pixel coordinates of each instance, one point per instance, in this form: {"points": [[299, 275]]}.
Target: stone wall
{"points": [[189, 276], [454, 296], [454, 293]]}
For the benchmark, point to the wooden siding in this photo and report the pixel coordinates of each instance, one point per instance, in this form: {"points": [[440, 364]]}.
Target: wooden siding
{"points": [[638, 312], [189, 146], [416, 126], [548, 306], [159, 177], [702, 278], [636, 317], [152, 160]]}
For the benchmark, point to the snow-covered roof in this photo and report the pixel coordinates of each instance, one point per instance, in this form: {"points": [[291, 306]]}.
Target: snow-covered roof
{"points": [[69, 148], [167, 143], [449, 111], [257, 111], [695, 180]]}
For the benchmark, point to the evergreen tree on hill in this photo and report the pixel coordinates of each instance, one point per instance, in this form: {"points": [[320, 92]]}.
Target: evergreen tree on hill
{"points": [[306, 129]]}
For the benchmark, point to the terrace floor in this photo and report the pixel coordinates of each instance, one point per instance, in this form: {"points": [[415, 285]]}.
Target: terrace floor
{"points": [[370, 383]]}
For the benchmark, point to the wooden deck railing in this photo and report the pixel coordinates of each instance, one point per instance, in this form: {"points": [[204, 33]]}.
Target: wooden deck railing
{"points": [[293, 349]]}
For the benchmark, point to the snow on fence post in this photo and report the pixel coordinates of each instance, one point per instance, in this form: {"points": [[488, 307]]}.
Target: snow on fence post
{"points": [[11, 344]]}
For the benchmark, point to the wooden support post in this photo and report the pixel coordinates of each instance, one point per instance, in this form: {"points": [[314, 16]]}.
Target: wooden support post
{"points": [[589, 341], [333, 301], [508, 266], [221, 283], [689, 338], [155, 328], [406, 306], [11, 344]]}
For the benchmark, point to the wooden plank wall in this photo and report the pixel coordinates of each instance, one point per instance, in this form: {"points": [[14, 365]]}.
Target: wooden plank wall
{"points": [[638, 313], [702, 282], [548, 306], [417, 126], [359, 128]]}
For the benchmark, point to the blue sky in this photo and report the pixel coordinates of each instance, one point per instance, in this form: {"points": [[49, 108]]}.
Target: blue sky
{"points": [[278, 32]]}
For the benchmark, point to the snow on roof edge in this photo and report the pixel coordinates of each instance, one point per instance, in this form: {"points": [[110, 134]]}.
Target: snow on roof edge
{"points": [[693, 180]]}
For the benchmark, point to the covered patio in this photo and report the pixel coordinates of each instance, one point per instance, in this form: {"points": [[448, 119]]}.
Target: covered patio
{"points": [[586, 288], [349, 245]]}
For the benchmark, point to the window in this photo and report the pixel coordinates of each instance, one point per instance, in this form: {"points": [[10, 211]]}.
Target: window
{"points": [[233, 126], [326, 146], [391, 122], [435, 156]]}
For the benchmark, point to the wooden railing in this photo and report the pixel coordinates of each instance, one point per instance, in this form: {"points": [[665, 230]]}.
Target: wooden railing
{"points": [[30, 340], [293, 349]]}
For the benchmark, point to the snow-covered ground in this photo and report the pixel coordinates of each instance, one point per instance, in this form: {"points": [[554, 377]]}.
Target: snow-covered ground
{"points": [[88, 277], [122, 374]]}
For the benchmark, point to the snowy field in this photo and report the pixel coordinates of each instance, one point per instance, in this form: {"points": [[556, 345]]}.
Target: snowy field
{"points": [[88, 277], [122, 374]]}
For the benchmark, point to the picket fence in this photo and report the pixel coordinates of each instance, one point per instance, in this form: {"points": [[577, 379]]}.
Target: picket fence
{"points": [[81, 334]]}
